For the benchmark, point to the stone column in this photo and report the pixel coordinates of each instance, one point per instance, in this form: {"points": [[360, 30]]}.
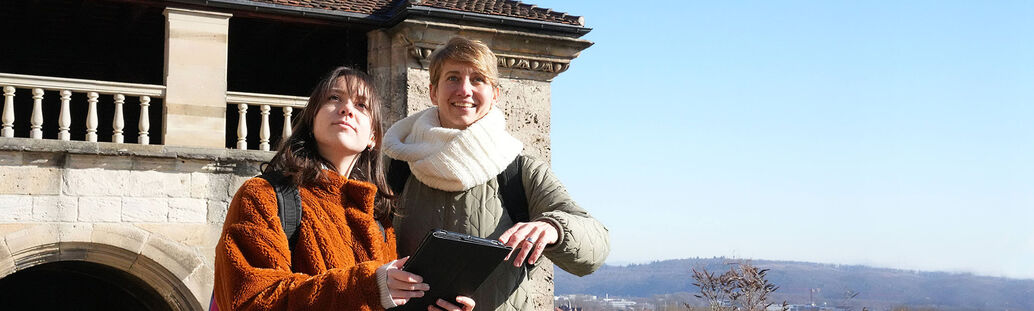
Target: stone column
{"points": [[398, 61], [399, 58], [195, 78]]}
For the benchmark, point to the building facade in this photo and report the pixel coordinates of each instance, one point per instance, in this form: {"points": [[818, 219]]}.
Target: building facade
{"points": [[128, 125]]}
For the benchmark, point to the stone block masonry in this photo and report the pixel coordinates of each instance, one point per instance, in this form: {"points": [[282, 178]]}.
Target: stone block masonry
{"points": [[15, 208], [100, 209], [106, 203]]}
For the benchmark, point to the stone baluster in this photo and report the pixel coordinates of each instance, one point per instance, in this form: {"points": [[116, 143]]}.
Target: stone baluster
{"points": [[119, 122], [36, 121], [286, 133], [145, 123], [242, 126], [64, 120], [91, 117], [264, 129], [8, 119]]}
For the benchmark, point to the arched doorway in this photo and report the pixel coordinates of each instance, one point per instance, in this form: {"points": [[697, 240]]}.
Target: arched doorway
{"points": [[94, 276], [78, 285]]}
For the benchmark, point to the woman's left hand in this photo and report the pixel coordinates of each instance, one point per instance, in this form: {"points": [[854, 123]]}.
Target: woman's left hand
{"points": [[531, 238], [467, 302]]}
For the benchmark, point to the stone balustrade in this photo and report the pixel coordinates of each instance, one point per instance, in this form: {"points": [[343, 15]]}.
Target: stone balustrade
{"points": [[65, 88], [118, 94], [240, 102]]}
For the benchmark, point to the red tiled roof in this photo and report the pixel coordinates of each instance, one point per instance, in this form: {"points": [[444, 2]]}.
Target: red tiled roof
{"points": [[371, 7], [385, 8], [509, 8]]}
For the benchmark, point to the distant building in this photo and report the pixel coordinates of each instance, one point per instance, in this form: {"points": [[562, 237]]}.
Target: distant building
{"points": [[802, 308], [618, 302]]}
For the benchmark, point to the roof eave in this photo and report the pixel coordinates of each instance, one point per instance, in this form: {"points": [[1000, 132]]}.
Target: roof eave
{"points": [[399, 14], [419, 10], [261, 7]]}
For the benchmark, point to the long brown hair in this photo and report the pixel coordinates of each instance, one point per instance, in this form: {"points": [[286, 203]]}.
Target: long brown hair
{"points": [[298, 157]]}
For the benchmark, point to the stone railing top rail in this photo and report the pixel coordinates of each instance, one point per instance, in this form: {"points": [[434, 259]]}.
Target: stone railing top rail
{"points": [[81, 85], [113, 149], [266, 99]]}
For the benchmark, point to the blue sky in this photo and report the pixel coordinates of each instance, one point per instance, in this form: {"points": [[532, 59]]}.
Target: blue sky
{"points": [[884, 133]]}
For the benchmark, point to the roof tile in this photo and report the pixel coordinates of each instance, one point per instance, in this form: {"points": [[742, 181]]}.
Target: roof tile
{"points": [[509, 8]]}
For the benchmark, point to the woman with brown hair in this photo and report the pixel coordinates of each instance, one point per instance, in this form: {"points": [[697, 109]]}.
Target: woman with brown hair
{"points": [[345, 242]]}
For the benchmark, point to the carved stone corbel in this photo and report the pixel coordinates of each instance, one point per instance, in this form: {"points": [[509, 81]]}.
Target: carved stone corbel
{"points": [[521, 55]]}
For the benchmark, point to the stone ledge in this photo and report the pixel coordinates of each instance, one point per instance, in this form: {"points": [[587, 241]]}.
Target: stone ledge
{"points": [[521, 54], [113, 149]]}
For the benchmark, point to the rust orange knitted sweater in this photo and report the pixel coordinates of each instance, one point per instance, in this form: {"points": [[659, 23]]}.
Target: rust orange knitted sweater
{"points": [[335, 258]]}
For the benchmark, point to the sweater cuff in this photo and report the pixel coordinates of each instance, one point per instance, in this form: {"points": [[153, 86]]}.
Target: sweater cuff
{"points": [[382, 283], [559, 231]]}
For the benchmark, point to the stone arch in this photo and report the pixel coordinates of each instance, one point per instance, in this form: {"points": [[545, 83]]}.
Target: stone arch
{"points": [[75, 284], [168, 267]]}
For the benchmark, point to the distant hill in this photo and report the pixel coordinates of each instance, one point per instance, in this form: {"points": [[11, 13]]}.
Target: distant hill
{"points": [[878, 288]]}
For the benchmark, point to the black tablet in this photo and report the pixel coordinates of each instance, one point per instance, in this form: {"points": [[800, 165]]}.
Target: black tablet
{"points": [[453, 264]]}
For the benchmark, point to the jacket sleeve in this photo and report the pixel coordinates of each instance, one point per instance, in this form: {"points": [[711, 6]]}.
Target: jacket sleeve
{"points": [[253, 265], [584, 242]]}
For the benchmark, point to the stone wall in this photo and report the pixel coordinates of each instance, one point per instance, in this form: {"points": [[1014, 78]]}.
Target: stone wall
{"points": [[122, 206]]}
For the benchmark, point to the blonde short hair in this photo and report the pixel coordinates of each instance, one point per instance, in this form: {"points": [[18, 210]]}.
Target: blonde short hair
{"points": [[468, 51]]}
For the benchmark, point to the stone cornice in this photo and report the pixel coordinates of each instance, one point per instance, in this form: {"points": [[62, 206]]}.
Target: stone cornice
{"points": [[534, 64], [521, 55], [134, 150], [422, 54]]}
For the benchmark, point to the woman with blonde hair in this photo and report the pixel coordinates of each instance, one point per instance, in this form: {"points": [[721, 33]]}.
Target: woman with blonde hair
{"points": [[450, 163]]}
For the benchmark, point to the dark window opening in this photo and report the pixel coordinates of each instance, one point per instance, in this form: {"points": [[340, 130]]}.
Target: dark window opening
{"points": [[276, 57], [284, 58], [94, 40], [84, 40]]}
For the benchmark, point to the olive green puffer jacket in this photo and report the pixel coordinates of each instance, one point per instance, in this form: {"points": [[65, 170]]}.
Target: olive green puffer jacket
{"points": [[581, 249]]}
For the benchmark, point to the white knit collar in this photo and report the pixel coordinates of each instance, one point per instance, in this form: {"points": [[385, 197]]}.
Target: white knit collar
{"points": [[450, 159]]}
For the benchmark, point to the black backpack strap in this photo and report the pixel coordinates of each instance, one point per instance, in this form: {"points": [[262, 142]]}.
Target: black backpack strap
{"points": [[511, 191], [288, 204], [398, 173]]}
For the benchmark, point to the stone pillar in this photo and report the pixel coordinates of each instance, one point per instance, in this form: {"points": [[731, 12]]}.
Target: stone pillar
{"points": [[195, 78], [399, 58], [398, 61]]}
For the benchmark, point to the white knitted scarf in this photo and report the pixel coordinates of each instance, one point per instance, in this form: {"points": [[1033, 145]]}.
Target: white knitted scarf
{"points": [[450, 159]]}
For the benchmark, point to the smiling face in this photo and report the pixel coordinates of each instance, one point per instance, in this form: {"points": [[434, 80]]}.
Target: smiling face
{"points": [[342, 125], [463, 94]]}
